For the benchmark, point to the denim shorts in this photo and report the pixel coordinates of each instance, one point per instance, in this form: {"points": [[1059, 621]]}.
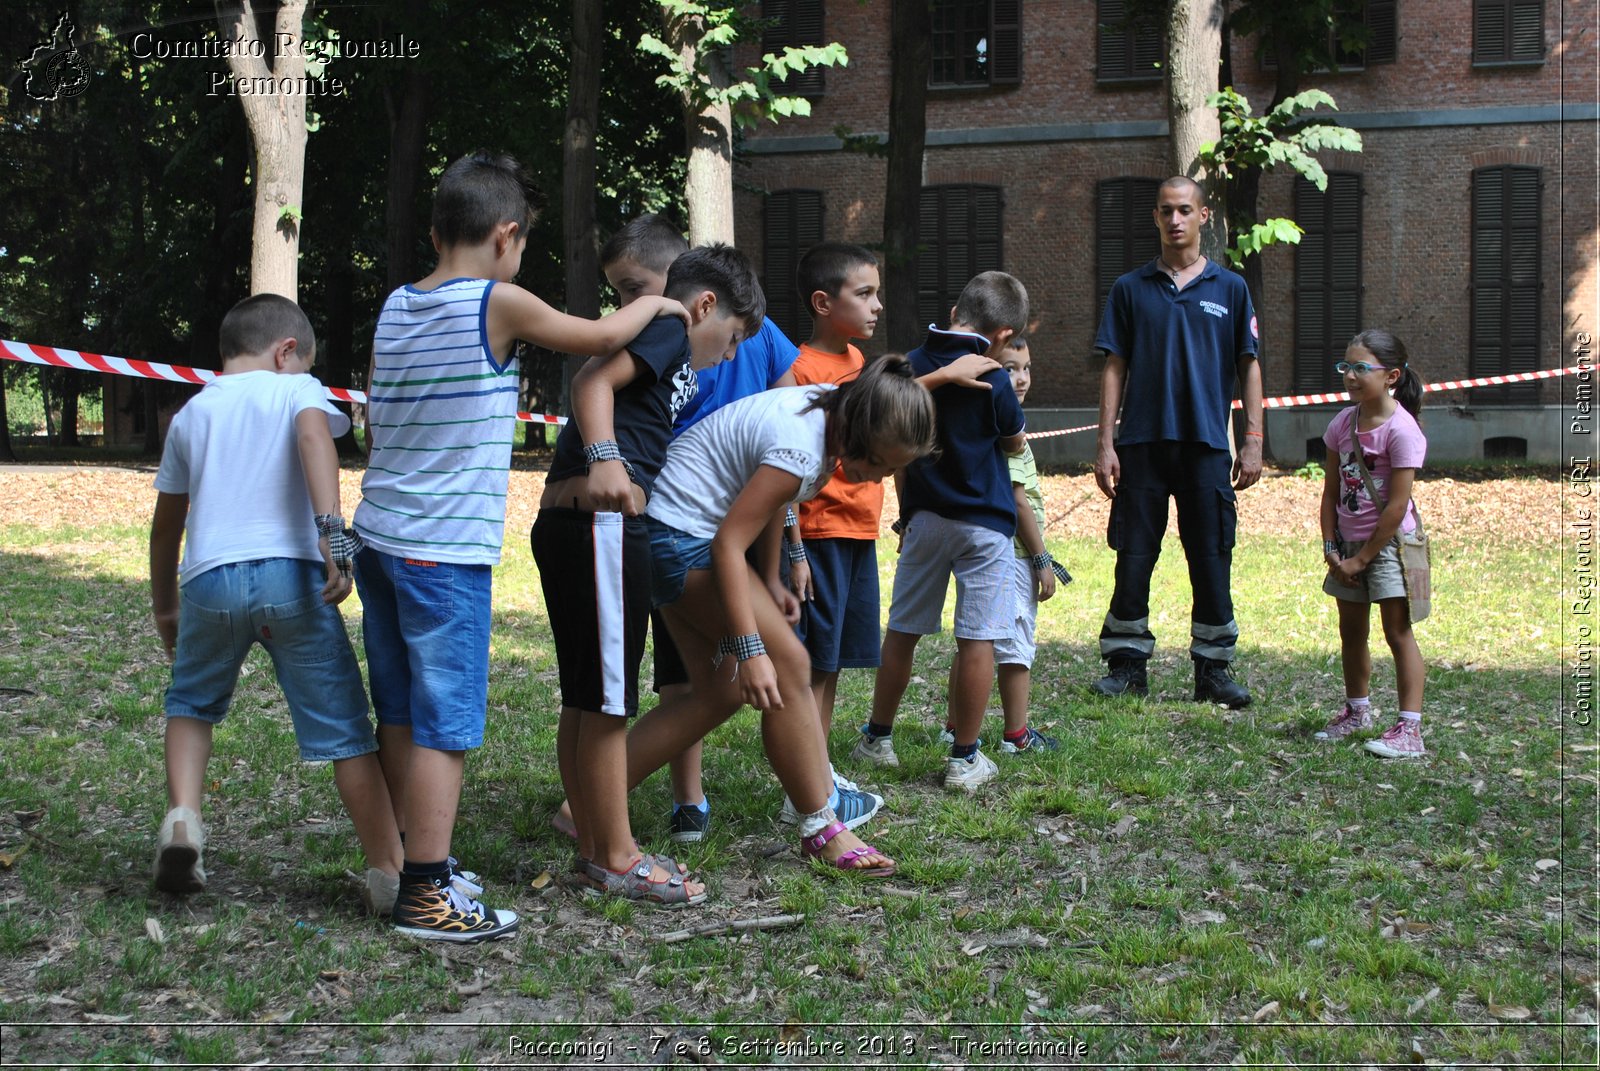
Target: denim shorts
{"points": [[934, 549], [426, 631], [276, 602], [672, 554]]}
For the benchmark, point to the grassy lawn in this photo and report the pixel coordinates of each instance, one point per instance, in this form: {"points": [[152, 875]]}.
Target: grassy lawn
{"points": [[1179, 884]]}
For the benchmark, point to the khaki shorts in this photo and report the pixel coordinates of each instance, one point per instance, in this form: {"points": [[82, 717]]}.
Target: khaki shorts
{"points": [[1381, 580]]}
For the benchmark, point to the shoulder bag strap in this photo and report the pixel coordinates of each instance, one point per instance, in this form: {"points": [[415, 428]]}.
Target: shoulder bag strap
{"points": [[1372, 485]]}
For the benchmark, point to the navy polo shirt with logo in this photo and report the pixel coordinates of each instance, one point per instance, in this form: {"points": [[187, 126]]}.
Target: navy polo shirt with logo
{"points": [[1181, 347], [968, 480]]}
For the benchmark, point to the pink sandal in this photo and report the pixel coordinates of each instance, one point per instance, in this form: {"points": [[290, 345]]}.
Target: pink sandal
{"points": [[852, 860]]}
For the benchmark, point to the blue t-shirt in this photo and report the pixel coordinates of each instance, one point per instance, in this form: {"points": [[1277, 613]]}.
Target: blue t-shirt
{"points": [[1182, 349], [968, 479], [758, 363]]}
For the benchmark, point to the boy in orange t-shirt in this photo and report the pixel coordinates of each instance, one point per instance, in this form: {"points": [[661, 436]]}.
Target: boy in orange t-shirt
{"points": [[837, 578]]}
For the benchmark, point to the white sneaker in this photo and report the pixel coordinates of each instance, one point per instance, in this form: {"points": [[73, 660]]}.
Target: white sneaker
{"points": [[879, 752], [180, 853], [378, 892], [968, 774], [946, 737], [841, 782]]}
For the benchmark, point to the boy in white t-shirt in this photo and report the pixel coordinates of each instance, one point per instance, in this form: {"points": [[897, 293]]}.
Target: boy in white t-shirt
{"points": [[250, 476]]}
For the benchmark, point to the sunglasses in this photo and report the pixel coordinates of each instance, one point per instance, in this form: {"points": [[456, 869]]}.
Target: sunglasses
{"points": [[1360, 368]]}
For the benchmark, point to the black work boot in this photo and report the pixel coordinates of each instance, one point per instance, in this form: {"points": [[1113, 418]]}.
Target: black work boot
{"points": [[1127, 677], [1214, 683]]}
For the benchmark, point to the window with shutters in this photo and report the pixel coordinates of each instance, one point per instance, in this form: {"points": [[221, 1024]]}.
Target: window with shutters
{"points": [[1377, 22], [960, 238], [792, 224], [976, 43], [1505, 278], [1327, 278], [1125, 232], [1507, 31], [1131, 46], [797, 23]]}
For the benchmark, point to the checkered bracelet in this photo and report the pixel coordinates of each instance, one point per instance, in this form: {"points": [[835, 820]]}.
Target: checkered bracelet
{"points": [[795, 551], [789, 519], [1041, 561], [1330, 546], [740, 647], [605, 450]]}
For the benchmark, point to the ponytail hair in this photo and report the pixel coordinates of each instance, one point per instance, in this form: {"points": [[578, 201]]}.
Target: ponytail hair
{"points": [[1388, 349], [883, 404]]}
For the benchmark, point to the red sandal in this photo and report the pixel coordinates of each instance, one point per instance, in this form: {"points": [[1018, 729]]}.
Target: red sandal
{"points": [[852, 861]]}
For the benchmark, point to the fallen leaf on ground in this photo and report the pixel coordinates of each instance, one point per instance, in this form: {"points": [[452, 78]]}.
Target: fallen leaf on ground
{"points": [[1203, 917], [1417, 1005], [1125, 823], [9, 859], [156, 933], [1511, 1013], [1547, 864], [1266, 1011]]}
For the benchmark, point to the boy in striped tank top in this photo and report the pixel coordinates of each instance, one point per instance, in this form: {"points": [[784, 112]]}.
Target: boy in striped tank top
{"points": [[442, 403]]}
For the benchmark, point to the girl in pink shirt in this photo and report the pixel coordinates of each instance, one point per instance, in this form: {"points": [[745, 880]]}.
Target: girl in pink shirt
{"points": [[1359, 536]]}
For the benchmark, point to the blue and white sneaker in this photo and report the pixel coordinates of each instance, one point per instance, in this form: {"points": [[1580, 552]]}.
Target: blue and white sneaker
{"points": [[855, 808], [1035, 741]]}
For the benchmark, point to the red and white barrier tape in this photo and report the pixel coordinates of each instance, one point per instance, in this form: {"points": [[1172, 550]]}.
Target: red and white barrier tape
{"points": [[1288, 401], [176, 373], [55, 357]]}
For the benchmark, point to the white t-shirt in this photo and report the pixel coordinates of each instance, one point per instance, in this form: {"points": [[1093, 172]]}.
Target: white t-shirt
{"points": [[708, 465], [232, 449]]}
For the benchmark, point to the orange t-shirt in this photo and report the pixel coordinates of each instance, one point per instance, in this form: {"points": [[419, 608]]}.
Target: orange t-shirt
{"points": [[841, 510]]}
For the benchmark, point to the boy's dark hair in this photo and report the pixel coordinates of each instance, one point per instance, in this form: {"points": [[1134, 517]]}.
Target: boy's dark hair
{"points": [[724, 271], [826, 266], [261, 320], [479, 192], [991, 302], [652, 240], [1388, 349]]}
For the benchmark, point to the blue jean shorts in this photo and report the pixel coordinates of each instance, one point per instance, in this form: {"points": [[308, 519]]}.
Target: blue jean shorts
{"points": [[840, 625], [672, 554], [276, 602], [426, 631], [936, 548]]}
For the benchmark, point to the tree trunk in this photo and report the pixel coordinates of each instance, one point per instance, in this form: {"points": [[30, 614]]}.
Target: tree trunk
{"points": [[578, 179], [278, 130], [408, 127], [708, 189], [7, 453], [1194, 50], [910, 33]]}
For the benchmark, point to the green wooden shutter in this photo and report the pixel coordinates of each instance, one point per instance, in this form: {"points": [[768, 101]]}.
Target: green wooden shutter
{"points": [[792, 224], [1506, 270], [1327, 277], [1005, 43], [1125, 232]]}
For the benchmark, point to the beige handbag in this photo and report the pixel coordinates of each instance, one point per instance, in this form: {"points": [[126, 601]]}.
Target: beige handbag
{"points": [[1416, 560]]}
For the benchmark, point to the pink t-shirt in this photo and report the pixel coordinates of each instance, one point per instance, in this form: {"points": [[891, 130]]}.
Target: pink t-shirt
{"points": [[1397, 443]]}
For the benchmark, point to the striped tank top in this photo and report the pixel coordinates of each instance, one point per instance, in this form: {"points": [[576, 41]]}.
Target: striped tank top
{"points": [[441, 411]]}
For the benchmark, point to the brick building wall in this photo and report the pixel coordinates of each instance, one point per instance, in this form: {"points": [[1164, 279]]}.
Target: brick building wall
{"points": [[1428, 120]]}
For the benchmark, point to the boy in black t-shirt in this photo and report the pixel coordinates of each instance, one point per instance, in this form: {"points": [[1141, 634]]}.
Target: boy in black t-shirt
{"points": [[593, 554]]}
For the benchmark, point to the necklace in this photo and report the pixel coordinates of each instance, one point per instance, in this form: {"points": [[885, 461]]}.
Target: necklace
{"points": [[1175, 272]]}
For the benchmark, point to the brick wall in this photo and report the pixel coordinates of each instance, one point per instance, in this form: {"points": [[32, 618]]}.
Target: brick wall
{"points": [[1416, 179]]}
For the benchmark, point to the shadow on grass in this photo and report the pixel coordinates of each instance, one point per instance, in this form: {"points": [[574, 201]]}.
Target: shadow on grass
{"points": [[1219, 878]]}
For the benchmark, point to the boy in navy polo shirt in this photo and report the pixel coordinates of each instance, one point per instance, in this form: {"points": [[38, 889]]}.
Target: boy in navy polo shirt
{"points": [[957, 515], [1176, 334]]}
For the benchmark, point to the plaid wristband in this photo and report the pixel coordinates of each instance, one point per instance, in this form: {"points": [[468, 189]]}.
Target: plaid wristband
{"points": [[1042, 561], [789, 519], [1061, 572], [795, 551], [605, 450], [343, 543], [740, 647]]}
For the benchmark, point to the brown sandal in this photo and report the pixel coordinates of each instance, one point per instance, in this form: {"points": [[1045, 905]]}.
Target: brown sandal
{"points": [[635, 884]]}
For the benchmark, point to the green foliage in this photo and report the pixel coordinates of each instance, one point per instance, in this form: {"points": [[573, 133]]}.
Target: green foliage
{"points": [[714, 28], [1311, 470], [1283, 136]]}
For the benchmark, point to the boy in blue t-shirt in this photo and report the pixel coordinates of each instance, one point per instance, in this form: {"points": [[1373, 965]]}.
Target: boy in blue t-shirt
{"points": [[957, 516]]}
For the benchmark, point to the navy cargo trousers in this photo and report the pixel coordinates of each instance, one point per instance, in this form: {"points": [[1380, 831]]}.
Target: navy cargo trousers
{"points": [[1199, 478]]}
